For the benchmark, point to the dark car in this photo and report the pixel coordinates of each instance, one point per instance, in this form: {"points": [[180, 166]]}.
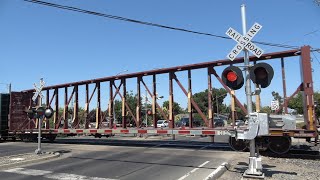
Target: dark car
{"points": [[185, 122], [218, 122], [182, 122]]}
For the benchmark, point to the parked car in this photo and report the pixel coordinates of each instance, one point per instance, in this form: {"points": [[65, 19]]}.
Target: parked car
{"points": [[239, 122], [92, 125], [218, 122], [182, 122], [162, 123], [185, 122]]}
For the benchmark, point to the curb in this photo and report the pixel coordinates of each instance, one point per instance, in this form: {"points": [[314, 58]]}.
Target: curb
{"points": [[48, 155], [218, 172]]}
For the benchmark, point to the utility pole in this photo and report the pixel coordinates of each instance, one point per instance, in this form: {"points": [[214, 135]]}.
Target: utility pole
{"points": [[146, 109], [114, 113], [253, 159], [38, 151], [217, 104], [234, 74]]}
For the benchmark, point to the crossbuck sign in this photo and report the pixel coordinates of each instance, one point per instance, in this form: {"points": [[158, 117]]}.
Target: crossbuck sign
{"points": [[274, 105], [38, 90], [244, 42]]}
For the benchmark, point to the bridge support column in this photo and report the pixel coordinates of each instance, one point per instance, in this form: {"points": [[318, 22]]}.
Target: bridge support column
{"points": [[124, 109]]}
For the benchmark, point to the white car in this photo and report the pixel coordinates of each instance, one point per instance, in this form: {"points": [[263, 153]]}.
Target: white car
{"points": [[239, 123], [162, 123]]}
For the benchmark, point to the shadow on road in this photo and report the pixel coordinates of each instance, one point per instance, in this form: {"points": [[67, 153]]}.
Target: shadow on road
{"points": [[268, 170], [139, 162], [149, 143]]}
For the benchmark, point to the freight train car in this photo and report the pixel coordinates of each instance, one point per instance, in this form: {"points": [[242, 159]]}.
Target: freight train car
{"points": [[15, 122]]}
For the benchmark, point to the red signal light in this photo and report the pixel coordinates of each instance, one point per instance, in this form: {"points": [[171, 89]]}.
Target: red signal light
{"points": [[232, 76]]}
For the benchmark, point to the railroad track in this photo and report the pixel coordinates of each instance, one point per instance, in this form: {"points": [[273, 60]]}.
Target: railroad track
{"points": [[295, 154]]}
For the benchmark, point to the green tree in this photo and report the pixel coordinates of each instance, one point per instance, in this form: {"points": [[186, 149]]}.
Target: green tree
{"points": [[176, 107], [253, 106], [317, 101], [265, 109], [239, 113], [92, 115], [224, 109], [131, 100], [277, 97], [218, 95], [296, 103]]}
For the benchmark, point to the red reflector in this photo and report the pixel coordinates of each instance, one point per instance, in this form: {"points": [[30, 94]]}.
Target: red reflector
{"points": [[232, 76]]}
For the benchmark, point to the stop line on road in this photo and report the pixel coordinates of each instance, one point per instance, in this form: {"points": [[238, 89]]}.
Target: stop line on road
{"points": [[52, 175]]}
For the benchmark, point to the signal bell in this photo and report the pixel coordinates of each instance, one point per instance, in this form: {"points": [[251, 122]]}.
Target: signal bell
{"points": [[262, 74], [232, 77], [48, 113]]}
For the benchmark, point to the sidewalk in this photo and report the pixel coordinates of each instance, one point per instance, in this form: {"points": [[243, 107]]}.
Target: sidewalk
{"points": [[23, 159]]}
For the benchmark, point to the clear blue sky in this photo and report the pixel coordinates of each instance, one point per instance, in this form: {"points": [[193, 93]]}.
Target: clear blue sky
{"points": [[63, 46]]}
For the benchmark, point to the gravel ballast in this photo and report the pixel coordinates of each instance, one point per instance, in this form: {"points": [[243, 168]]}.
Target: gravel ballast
{"points": [[275, 168]]}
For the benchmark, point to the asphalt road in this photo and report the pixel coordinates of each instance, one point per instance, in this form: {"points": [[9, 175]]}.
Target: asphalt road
{"points": [[192, 142], [104, 161]]}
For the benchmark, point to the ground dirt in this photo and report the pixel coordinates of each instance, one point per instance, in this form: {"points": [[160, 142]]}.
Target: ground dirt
{"points": [[275, 168]]}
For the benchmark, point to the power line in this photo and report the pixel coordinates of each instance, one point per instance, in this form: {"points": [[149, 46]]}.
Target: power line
{"points": [[148, 23], [316, 49], [296, 39], [315, 57], [119, 18]]}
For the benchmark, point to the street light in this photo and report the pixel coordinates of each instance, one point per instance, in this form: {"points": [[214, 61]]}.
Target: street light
{"points": [[114, 111]]}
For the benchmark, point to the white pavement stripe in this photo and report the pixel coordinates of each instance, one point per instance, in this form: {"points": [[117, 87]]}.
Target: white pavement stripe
{"points": [[204, 147], [193, 170], [65, 176], [30, 172], [52, 175]]}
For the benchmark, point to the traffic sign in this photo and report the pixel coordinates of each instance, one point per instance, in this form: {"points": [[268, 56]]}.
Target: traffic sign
{"points": [[38, 90], [274, 105], [244, 42]]}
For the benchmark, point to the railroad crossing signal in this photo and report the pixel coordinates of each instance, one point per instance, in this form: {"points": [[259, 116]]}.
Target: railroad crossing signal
{"points": [[244, 42], [31, 113], [38, 90], [232, 77], [261, 74], [39, 112]]}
